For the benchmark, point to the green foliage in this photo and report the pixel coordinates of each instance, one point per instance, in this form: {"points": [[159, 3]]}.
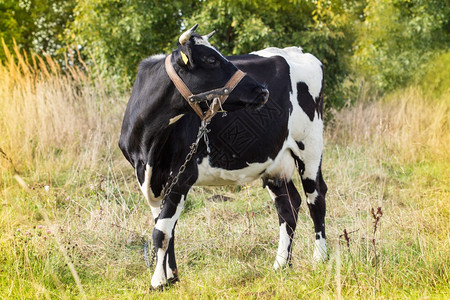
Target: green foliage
{"points": [[121, 33], [331, 39], [36, 26], [389, 43], [15, 24], [398, 38], [436, 81], [245, 26], [323, 29]]}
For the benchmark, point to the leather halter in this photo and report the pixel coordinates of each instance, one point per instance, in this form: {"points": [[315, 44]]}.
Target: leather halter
{"points": [[219, 96]]}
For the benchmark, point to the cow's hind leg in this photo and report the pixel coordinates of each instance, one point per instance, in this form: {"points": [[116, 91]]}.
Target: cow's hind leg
{"points": [[315, 190], [287, 201], [317, 207]]}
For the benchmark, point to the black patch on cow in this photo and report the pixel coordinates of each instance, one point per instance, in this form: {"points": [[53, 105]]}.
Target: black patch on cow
{"points": [[318, 236], [171, 257], [300, 164], [288, 203], [140, 172], [309, 185], [272, 183], [301, 146], [248, 136], [306, 101], [158, 238]]}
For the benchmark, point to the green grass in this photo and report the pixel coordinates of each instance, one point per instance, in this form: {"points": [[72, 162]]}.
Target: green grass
{"points": [[226, 249], [84, 237]]}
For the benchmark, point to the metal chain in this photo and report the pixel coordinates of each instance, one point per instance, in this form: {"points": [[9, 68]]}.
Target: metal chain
{"points": [[148, 262], [202, 132]]}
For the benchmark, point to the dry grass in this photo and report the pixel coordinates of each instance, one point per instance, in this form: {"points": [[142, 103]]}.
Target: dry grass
{"points": [[406, 124], [60, 129], [55, 115]]}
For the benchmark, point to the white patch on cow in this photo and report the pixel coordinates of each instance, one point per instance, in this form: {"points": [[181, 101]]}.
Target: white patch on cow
{"points": [[153, 202], [155, 57], [312, 154], [272, 195], [283, 248], [174, 119], [208, 175], [169, 271], [155, 211], [284, 165], [311, 198], [159, 277], [202, 41], [320, 251], [159, 56], [145, 185], [165, 225]]}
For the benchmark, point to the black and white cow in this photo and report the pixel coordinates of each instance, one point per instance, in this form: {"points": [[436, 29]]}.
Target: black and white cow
{"points": [[267, 142]]}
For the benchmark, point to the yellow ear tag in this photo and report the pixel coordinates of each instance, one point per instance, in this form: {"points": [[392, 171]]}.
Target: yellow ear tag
{"points": [[184, 57]]}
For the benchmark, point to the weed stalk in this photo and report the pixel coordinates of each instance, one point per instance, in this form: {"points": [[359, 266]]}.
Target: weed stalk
{"points": [[376, 216], [346, 237]]}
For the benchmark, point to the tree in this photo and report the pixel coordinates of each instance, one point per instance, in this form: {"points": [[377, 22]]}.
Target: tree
{"points": [[120, 33], [323, 28], [35, 25], [15, 25], [399, 38]]}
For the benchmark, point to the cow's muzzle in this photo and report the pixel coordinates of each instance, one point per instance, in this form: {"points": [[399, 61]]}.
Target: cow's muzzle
{"points": [[264, 95]]}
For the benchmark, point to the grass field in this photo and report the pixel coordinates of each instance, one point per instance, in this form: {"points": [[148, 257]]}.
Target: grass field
{"points": [[73, 223]]}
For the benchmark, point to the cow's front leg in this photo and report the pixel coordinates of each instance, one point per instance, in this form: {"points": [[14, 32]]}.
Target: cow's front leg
{"points": [[163, 240], [171, 264]]}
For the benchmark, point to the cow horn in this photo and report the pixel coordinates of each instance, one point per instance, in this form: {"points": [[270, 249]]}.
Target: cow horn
{"points": [[208, 36], [187, 35]]}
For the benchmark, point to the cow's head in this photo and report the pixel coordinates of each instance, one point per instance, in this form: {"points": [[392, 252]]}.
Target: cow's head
{"points": [[203, 68]]}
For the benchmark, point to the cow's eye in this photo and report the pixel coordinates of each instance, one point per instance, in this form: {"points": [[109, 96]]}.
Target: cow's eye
{"points": [[211, 60]]}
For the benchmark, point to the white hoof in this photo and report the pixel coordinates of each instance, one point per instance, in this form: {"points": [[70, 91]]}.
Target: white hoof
{"points": [[159, 278], [280, 262], [158, 282], [320, 251]]}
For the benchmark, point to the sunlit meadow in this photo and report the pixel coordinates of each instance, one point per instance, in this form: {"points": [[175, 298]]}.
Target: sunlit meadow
{"points": [[73, 223]]}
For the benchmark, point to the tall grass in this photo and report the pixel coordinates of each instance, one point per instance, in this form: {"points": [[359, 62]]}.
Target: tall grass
{"points": [[407, 124], [53, 115], [84, 233]]}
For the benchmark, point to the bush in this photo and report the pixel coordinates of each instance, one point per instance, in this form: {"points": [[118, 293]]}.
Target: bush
{"points": [[398, 39], [436, 82]]}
